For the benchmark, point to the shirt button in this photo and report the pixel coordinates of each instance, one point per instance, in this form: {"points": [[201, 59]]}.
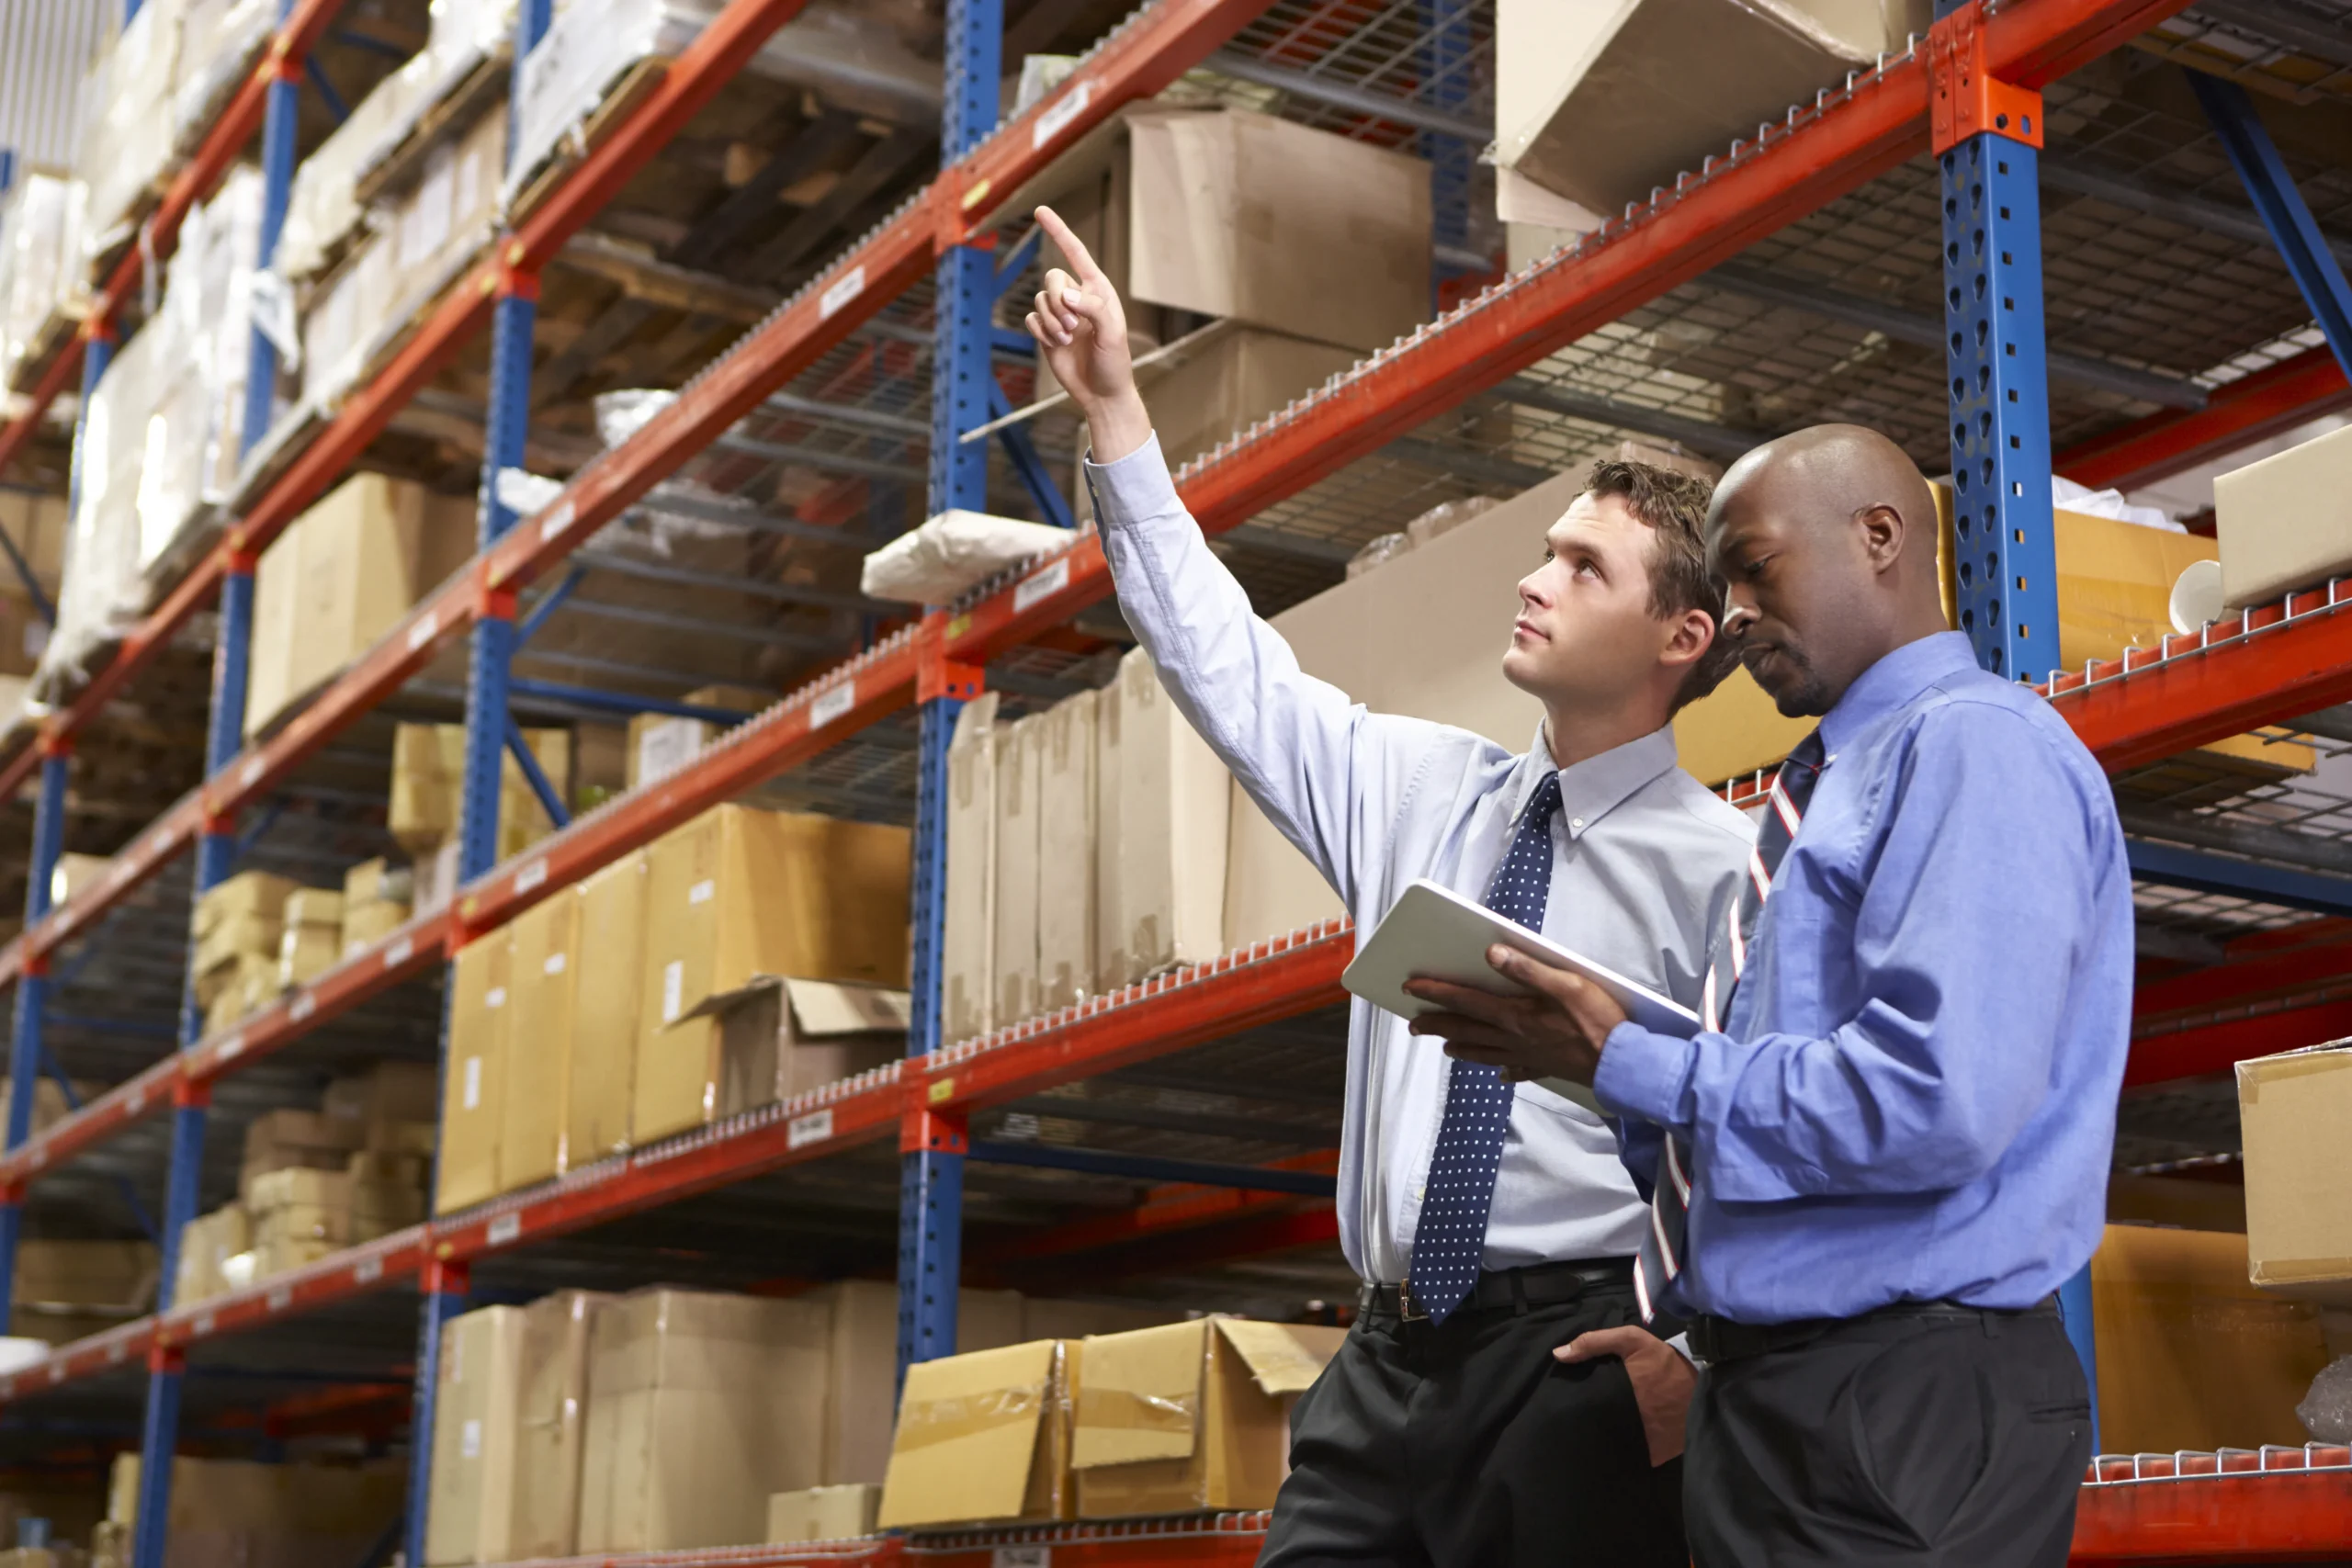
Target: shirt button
{"points": [[1578, 823]]}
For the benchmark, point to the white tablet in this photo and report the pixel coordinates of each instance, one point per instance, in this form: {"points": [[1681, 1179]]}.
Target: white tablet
{"points": [[1434, 933]]}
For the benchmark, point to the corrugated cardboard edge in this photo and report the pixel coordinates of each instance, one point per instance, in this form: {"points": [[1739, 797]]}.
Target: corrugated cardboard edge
{"points": [[1283, 1358]]}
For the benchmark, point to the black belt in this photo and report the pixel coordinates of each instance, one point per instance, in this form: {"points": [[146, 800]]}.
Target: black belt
{"points": [[1508, 1289], [1718, 1340]]}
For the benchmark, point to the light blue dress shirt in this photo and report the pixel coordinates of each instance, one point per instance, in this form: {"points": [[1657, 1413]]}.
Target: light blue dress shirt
{"points": [[1914, 1097]]}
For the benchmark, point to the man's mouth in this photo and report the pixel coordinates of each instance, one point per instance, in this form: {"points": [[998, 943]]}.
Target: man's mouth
{"points": [[1525, 628]]}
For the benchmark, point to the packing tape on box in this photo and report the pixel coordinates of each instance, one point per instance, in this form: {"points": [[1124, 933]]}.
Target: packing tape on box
{"points": [[1129, 1410], [925, 1423]]}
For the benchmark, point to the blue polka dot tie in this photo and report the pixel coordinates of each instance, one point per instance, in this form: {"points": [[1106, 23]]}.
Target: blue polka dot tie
{"points": [[1451, 1235]]}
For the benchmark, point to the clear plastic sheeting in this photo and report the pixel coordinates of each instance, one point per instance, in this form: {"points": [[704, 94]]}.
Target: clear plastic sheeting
{"points": [[674, 511], [585, 53], [127, 146], [39, 283], [101, 591], [953, 554], [220, 41]]}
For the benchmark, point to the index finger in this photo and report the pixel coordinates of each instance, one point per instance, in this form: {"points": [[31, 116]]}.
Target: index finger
{"points": [[1073, 248]]}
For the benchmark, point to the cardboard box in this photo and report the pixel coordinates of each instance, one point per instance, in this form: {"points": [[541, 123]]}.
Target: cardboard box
{"points": [[823, 1512], [208, 1241], [1066, 796], [607, 1010], [365, 925], [385, 1091], [1674, 80], [544, 983], [1191, 1415], [2190, 1354], [70, 1290], [1020, 763], [233, 1513], [259, 895], [777, 1037], [386, 1192], [553, 1389], [983, 1438], [1110, 822], [339, 578], [2285, 523], [1173, 828], [278, 1140], [862, 1365], [276, 1255], [469, 1514], [700, 1408], [968, 960], [660, 744], [2292, 1111], [434, 875], [1227, 377], [600, 754], [428, 785], [1238, 215], [737, 894], [480, 1024], [305, 953], [376, 880]]}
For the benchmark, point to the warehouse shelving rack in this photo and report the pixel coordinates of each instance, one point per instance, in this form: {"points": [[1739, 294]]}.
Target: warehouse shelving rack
{"points": [[2264, 668]]}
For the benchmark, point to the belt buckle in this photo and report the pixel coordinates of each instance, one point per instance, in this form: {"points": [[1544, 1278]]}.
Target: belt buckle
{"points": [[1405, 1310]]}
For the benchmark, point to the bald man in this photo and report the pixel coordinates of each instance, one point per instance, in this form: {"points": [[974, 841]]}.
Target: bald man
{"points": [[1889, 1147]]}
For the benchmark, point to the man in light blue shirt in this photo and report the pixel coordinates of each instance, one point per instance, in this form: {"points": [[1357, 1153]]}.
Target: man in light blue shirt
{"points": [[1891, 1148]]}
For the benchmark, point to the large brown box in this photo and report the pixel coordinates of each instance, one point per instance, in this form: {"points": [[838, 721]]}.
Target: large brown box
{"points": [[777, 1037], [544, 986], [1191, 1415], [607, 1010], [1174, 818], [862, 1349], [1020, 763], [1067, 840], [233, 1513], [2191, 1355], [553, 1444], [506, 1446], [739, 893], [983, 1438], [967, 958], [428, 785], [700, 1408], [480, 1022], [2293, 1111]]}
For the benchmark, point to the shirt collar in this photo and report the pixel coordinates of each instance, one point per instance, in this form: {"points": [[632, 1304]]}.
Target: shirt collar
{"points": [[1893, 682], [1591, 789]]}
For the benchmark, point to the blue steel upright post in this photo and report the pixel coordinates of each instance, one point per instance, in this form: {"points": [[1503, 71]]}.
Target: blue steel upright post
{"points": [[446, 1285], [215, 846], [932, 1145], [1987, 135]]}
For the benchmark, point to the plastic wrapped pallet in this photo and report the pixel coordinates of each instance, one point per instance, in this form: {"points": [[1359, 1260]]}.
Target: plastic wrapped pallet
{"points": [[586, 52], [36, 229], [220, 39], [101, 591], [127, 143], [344, 322]]}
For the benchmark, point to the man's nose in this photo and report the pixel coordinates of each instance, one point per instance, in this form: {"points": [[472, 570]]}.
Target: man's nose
{"points": [[1738, 616]]}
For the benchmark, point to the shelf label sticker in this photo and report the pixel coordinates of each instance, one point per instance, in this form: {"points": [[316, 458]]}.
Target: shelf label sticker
{"points": [[813, 1128], [202, 1327], [57, 1372], [833, 704], [531, 875], [1055, 117], [847, 287], [232, 1047], [305, 1003], [279, 1298], [115, 1353], [702, 892], [1040, 585], [368, 1270], [1022, 1557], [249, 775], [138, 1100], [507, 1227], [559, 523], [472, 1095], [422, 633], [400, 953]]}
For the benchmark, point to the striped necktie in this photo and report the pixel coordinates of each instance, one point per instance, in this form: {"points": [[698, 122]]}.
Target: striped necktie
{"points": [[1662, 1255], [1449, 1236]]}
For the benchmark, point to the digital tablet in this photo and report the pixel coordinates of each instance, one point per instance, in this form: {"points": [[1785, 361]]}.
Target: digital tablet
{"points": [[1435, 933]]}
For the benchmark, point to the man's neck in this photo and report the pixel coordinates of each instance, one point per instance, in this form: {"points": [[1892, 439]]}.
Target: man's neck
{"points": [[1574, 737]]}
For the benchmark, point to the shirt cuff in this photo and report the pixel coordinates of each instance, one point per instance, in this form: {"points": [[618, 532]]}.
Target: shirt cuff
{"points": [[1643, 1074], [1138, 485]]}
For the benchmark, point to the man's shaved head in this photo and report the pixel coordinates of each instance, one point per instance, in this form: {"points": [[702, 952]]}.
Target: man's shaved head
{"points": [[1826, 540]]}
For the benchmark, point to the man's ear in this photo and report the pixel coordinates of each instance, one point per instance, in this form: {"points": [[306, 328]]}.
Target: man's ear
{"points": [[1883, 534], [1694, 632]]}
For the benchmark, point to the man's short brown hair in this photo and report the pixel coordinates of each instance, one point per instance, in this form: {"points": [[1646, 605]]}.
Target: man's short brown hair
{"points": [[1674, 505]]}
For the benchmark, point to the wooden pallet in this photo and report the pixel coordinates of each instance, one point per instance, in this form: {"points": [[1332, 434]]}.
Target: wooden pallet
{"points": [[633, 88]]}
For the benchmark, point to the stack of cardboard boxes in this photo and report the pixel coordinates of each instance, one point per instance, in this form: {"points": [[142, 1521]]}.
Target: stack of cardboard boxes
{"points": [[742, 958], [660, 744], [429, 792], [1085, 850], [68, 1289], [376, 898], [240, 938], [227, 1512], [672, 1419], [314, 1181]]}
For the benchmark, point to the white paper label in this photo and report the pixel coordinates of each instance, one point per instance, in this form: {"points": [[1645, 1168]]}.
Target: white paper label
{"points": [[531, 875], [279, 1299], [665, 746], [833, 704], [398, 953], [559, 522], [673, 987], [504, 1229], [702, 892], [554, 965], [472, 1097], [231, 1046], [1051, 581], [813, 1128], [851, 284], [1053, 117], [1022, 1557], [202, 1327], [368, 1270], [138, 1100], [422, 633], [471, 1442], [496, 997], [305, 1004]]}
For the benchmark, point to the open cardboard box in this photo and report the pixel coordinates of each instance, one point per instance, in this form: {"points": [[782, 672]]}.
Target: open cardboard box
{"points": [[982, 1438]]}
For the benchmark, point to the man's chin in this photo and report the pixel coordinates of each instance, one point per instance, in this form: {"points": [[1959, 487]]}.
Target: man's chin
{"points": [[1796, 691]]}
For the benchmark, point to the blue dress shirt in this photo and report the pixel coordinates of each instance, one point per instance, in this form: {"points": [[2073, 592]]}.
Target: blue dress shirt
{"points": [[1913, 1096]]}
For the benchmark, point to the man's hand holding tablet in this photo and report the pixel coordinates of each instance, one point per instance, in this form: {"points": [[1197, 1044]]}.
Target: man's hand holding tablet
{"points": [[1555, 1031]]}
